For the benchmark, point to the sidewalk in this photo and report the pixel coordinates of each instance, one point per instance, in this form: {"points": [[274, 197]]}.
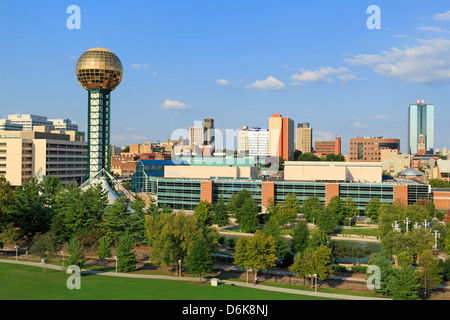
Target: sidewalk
{"points": [[235, 283]]}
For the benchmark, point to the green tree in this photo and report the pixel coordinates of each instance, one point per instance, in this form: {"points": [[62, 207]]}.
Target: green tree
{"points": [[255, 253], [312, 208], [6, 201], [327, 221], [372, 208], [300, 237], [203, 212], [45, 245], [288, 209], [248, 214], [350, 209], [76, 254], [387, 272], [388, 214], [220, 213], [116, 218], [429, 272], [405, 284], [104, 248], [200, 261], [136, 220], [236, 202], [126, 258], [335, 157], [319, 238], [308, 156], [313, 261], [272, 228], [29, 212], [172, 237]]}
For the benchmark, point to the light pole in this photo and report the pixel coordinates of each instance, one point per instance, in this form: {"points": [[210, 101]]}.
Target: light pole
{"points": [[349, 222], [395, 226], [315, 278], [17, 248], [407, 221], [426, 224], [179, 262], [63, 257], [115, 257], [436, 235], [416, 225]]}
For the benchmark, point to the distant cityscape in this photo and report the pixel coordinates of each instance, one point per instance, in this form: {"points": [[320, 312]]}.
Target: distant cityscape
{"points": [[33, 145]]}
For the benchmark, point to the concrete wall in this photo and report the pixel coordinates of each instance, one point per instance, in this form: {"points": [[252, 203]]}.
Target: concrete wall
{"points": [[206, 172], [332, 171]]}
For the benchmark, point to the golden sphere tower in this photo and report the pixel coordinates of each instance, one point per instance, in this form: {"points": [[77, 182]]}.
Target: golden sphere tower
{"points": [[99, 71]]}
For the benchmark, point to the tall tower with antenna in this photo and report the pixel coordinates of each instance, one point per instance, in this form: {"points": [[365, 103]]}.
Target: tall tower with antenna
{"points": [[99, 71]]}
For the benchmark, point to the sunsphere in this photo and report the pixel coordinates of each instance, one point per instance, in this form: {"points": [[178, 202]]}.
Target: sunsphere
{"points": [[99, 68]]}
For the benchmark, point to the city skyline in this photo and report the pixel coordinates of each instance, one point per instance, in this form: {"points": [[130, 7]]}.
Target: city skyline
{"points": [[187, 62]]}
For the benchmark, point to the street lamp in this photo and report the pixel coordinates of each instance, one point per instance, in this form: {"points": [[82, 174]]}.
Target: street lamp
{"points": [[17, 248], [115, 257], [426, 224], [179, 261], [407, 221], [63, 257], [436, 235], [315, 278], [395, 226], [349, 221]]}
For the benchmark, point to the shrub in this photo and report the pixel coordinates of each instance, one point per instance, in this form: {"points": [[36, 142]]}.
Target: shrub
{"points": [[338, 268], [359, 269]]}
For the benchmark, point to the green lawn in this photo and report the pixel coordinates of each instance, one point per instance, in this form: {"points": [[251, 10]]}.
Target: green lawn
{"points": [[30, 283]]}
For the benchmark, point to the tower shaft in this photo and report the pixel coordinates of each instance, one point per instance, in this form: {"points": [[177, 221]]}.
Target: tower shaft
{"points": [[99, 126]]}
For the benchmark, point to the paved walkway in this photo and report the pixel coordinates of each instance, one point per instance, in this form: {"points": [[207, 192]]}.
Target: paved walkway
{"points": [[236, 283]]}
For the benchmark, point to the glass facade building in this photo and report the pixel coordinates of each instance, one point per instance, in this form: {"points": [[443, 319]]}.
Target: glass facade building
{"points": [[421, 121], [186, 194]]}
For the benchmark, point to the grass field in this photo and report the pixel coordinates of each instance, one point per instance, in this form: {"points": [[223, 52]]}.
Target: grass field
{"points": [[18, 282]]}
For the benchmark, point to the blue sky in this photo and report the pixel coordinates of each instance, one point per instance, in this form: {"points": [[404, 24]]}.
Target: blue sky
{"points": [[235, 61]]}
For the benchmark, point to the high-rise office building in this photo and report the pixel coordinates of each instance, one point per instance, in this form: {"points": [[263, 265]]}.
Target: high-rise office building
{"points": [[208, 125], [421, 122], [281, 137], [196, 135], [29, 121], [25, 153], [369, 148], [328, 147], [304, 137], [242, 141], [258, 142]]}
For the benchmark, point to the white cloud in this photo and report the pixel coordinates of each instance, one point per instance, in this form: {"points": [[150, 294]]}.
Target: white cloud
{"points": [[225, 82], [435, 29], [323, 75], [140, 67], [73, 58], [425, 63], [381, 117], [324, 135], [442, 16], [174, 105], [359, 125], [270, 84]]}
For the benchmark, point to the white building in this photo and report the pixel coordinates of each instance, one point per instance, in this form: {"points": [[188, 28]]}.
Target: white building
{"points": [[64, 124], [28, 121], [258, 142], [6, 124]]}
